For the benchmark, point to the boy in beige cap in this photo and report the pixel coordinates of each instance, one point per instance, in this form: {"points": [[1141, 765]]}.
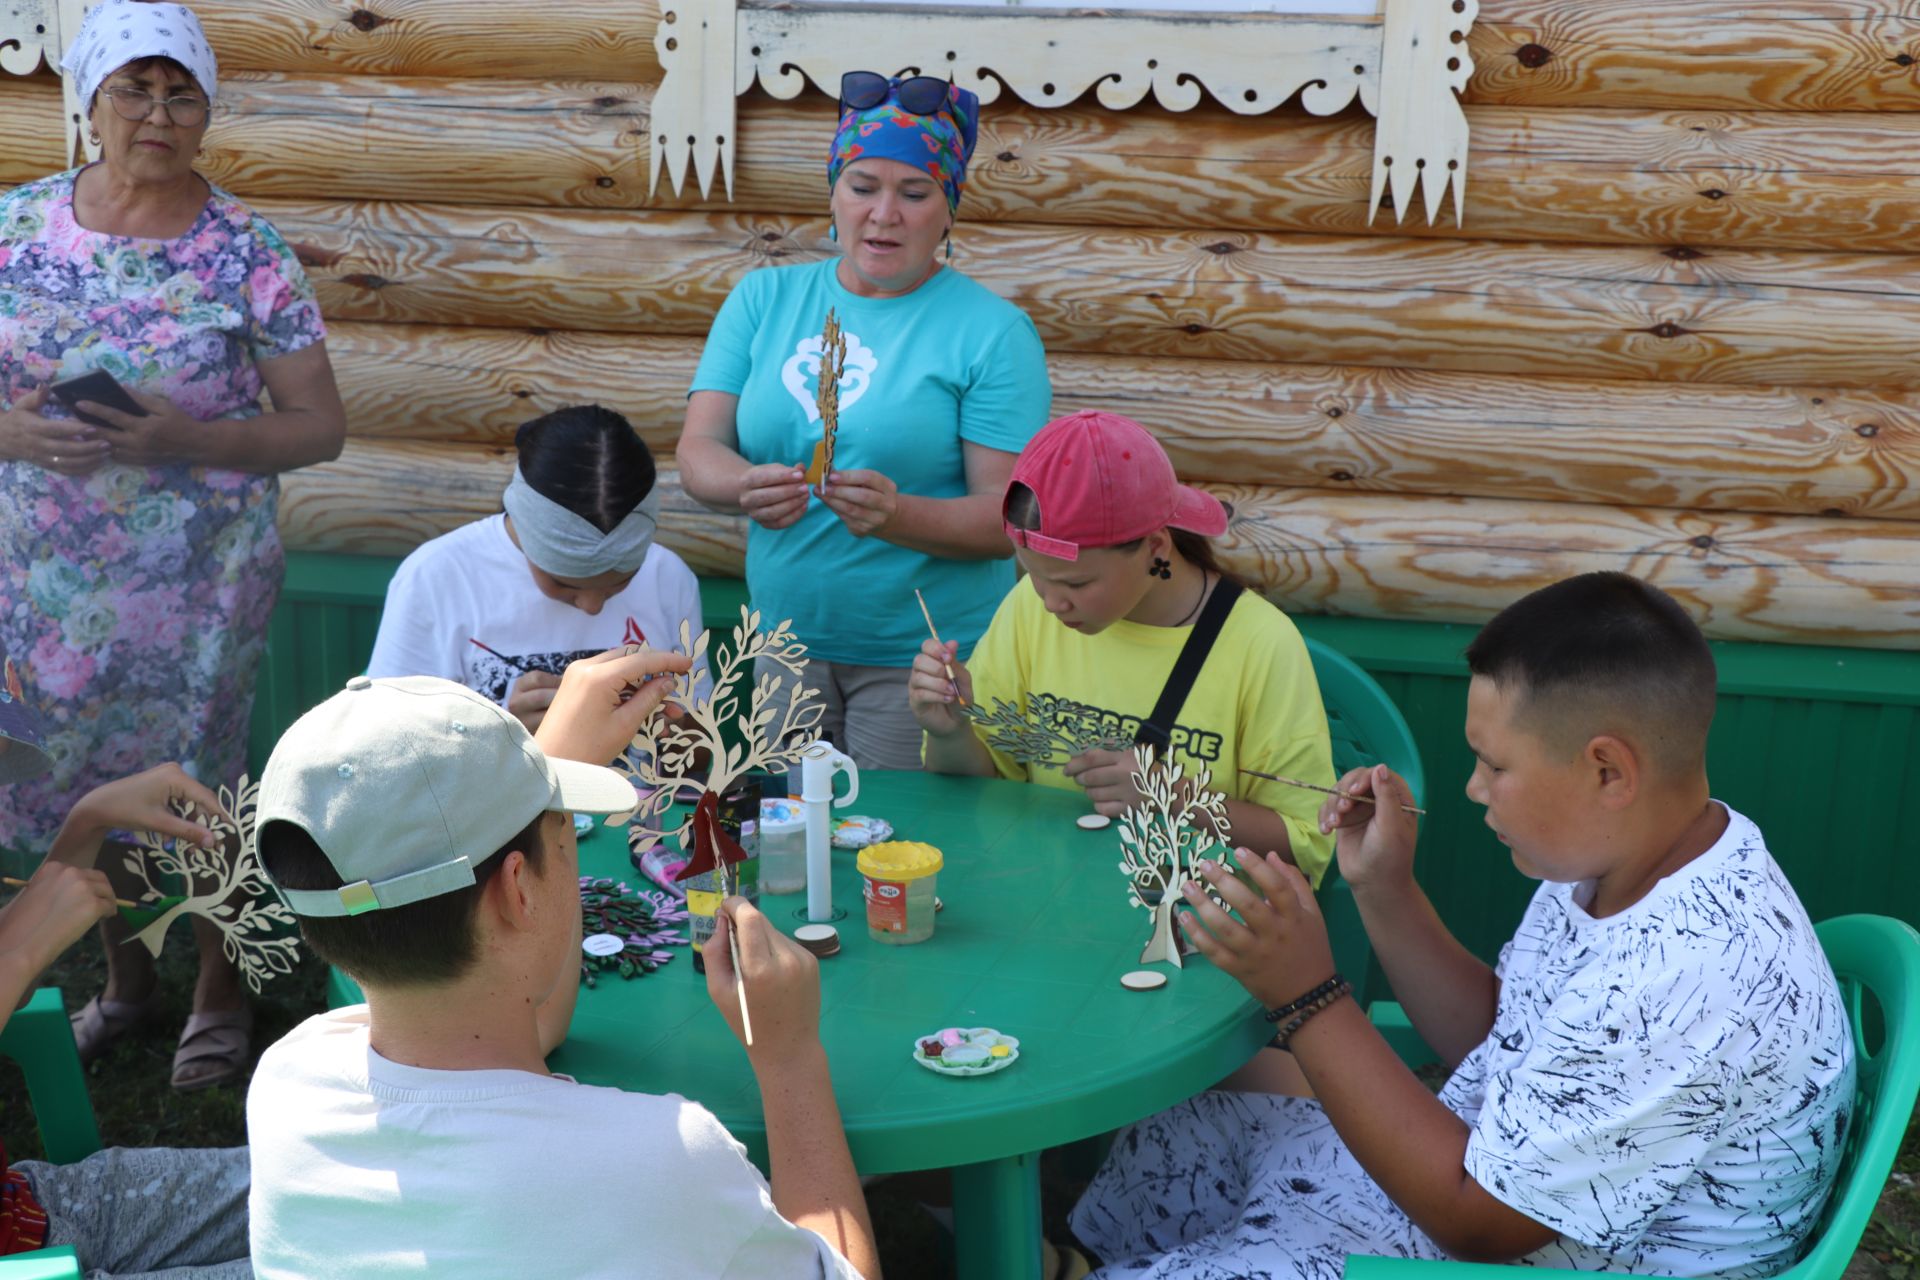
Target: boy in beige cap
{"points": [[423, 837]]}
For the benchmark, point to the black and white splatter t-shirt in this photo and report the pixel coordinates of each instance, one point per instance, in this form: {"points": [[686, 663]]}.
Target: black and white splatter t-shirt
{"points": [[1668, 1087], [473, 584]]}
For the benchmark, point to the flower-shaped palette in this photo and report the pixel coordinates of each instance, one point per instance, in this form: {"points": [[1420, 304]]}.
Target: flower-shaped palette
{"points": [[966, 1051]]}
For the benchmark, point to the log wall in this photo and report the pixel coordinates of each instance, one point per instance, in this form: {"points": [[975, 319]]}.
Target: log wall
{"points": [[1675, 334]]}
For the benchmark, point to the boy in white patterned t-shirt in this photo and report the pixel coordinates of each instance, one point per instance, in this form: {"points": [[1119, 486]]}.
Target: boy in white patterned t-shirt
{"points": [[1657, 1077]]}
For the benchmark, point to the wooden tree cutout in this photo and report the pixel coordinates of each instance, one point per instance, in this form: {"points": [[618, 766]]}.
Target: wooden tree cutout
{"points": [[826, 398], [773, 729], [1039, 738], [224, 884], [1160, 840]]}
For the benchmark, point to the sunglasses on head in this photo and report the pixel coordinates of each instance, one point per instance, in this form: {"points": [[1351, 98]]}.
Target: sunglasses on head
{"points": [[919, 95]]}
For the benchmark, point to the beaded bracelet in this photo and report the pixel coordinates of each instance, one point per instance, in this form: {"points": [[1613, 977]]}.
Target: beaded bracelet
{"points": [[1288, 1010], [1300, 1019]]}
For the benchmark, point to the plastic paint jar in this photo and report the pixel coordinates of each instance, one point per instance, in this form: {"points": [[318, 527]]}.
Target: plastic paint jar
{"points": [[898, 882], [783, 846]]}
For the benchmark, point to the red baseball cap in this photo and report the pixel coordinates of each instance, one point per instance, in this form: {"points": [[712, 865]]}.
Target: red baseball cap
{"points": [[1101, 480]]}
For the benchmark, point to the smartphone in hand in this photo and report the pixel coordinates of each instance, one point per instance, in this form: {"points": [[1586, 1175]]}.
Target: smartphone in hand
{"points": [[100, 387]]}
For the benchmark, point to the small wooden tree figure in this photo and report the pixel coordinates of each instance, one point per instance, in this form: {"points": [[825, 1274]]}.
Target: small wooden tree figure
{"points": [[773, 729], [1160, 840], [1039, 737], [224, 884]]}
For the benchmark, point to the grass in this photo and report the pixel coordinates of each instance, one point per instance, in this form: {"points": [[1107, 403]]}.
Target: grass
{"points": [[136, 1107]]}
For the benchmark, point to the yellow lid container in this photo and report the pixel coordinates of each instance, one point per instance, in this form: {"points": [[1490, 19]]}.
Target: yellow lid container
{"points": [[899, 860]]}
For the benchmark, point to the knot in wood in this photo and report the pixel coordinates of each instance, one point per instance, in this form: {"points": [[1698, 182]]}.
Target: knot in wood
{"points": [[1666, 329], [1342, 476], [1682, 253], [1006, 157], [1834, 513], [365, 280], [1867, 430], [603, 181], [1194, 326], [1714, 193], [1222, 248], [367, 19], [1533, 56], [769, 236], [1704, 542], [606, 102], [1901, 60]]}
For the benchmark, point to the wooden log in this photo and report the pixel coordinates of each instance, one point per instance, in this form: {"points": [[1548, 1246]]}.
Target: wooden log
{"points": [[1744, 577], [603, 40], [1799, 180], [1794, 55], [1745, 316], [34, 137], [1774, 578], [1784, 180], [386, 497], [469, 141], [1763, 449]]}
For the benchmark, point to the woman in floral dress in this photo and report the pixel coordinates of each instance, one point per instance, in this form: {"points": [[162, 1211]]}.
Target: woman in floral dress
{"points": [[140, 558]]}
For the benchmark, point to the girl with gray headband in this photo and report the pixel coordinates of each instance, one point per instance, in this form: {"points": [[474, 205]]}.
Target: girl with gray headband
{"points": [[569, 569]]}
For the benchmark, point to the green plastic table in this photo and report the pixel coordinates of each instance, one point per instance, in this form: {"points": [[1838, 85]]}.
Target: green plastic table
{"points": [[1033, 940]]}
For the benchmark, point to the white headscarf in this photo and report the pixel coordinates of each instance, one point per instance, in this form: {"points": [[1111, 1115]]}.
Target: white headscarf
{"points": [[123, 31]]}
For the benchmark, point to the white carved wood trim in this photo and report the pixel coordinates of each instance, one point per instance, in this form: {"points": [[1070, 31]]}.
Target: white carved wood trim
{"points": [[1405, 66], [33, 30]]}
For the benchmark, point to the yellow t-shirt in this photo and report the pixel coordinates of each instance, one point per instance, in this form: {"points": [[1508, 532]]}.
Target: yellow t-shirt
{"points": [[1255, 702]]}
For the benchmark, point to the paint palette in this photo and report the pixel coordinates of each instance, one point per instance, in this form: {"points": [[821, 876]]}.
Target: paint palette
{"points": [[966, 1051]]}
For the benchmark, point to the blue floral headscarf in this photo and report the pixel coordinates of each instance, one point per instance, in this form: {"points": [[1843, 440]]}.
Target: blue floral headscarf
{"points": [[941, 143]]}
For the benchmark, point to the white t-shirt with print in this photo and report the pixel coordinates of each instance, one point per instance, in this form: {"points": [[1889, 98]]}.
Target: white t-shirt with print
{"points": [[473, 584], [365, 1167], [1668, 1087]]}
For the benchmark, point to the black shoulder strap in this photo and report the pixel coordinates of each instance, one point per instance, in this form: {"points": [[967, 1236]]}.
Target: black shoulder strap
{"points": [[1156, 730]]}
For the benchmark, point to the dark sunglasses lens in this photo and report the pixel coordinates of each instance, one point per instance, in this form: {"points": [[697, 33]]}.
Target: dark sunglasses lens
{"points": [[922, 95], [863, 89]]}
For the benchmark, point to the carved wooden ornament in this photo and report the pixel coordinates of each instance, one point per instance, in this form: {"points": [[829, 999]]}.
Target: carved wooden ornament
{"points": [[224, 884], [768, 727], [34, 29], [1405, 65], [1160, 840]]}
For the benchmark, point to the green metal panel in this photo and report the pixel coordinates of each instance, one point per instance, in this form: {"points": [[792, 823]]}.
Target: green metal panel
{"points": [[1820, 746]]}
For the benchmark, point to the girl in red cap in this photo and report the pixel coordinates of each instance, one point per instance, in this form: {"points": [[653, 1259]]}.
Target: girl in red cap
{"points": [[1127, 631]]}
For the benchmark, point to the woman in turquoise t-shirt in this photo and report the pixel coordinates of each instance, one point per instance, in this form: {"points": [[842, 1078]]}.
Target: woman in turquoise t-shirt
{"points": [[944, 383]]}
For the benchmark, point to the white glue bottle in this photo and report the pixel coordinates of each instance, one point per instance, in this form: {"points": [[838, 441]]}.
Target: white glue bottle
{"points": [[818, 764]]}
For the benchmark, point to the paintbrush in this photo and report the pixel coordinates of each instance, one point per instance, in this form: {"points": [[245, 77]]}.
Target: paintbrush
{"points": [[935, 632], [739, 974], [1314, 786], [21, 884]]}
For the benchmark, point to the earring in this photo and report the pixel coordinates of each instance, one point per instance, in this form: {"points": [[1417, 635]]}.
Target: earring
{"points": [[93, 136], [833, 233], [1162, 569], [949, 246]]}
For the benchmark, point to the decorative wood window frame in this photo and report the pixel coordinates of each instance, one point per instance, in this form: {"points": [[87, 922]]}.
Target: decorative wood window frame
{"points": [[34, 29], [1405, 64]]}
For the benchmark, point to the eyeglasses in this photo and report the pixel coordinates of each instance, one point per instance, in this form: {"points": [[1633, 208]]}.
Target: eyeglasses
{"points": [[137, 104], [920, 95]]}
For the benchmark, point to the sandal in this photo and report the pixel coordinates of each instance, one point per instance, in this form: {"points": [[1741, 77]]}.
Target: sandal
{"points": [[101, 1021], [1063, 1262], [213, 1050]]}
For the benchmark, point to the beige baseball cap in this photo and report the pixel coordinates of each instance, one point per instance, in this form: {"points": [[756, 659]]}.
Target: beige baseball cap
{"points": [[408, 784]]}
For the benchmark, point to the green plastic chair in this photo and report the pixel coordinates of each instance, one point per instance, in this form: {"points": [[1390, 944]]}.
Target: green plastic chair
{"points": [[39, 1037], [1366, 728], [1872, 956]]}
